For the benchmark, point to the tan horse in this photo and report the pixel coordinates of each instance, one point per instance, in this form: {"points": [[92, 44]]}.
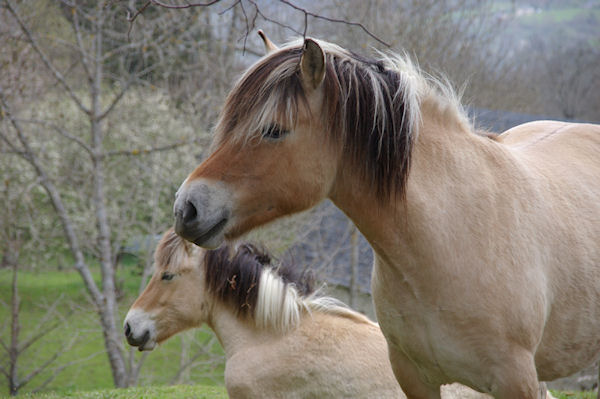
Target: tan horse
{"points": [[487, 251], [281, 339]]}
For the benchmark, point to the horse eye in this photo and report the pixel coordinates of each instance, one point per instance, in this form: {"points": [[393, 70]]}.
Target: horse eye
{"points": [[167, 276], [274, 131]]}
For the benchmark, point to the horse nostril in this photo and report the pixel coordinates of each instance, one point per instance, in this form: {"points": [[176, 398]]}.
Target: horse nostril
{"points": [[127, 330], [189, 212]]}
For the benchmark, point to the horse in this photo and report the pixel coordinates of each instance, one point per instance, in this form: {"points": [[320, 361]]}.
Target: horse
{"points": [[486, 249], [281, 338]]}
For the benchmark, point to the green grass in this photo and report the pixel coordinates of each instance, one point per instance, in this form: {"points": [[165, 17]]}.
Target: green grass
{"points": [[574, 395], [38, 290], [151, 392]]}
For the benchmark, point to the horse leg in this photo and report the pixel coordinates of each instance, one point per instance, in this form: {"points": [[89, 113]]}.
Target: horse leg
{"points": [[516, 377], [410, 379]]}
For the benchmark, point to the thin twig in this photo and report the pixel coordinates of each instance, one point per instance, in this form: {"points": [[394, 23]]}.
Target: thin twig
{"points": [[3, 371], [84, 55], [288, 3], [273, 21], [145, 151], [186, 5], [59, 77], [115, 100], [60, 131], [131, 18], [32, 339], [334, 20]]}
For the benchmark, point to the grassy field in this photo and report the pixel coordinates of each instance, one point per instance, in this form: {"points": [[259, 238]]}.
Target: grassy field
{"points": [[172, 392], [574, 395], [78, 324]]}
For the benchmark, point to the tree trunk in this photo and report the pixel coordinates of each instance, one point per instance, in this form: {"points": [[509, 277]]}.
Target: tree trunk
{"points": [[107, 310], [13, 350]]}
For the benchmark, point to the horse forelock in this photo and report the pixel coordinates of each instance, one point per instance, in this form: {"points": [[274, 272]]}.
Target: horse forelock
{"points": [[270, 90], [172, 252], [371, 108]]}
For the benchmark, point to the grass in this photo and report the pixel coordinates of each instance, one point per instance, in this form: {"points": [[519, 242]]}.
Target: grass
{"points": [[79, 322], [574, 395], [151, 392]]}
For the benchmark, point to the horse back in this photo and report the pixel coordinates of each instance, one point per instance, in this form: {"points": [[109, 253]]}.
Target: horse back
{"points": [[553, 136], [564, 158]]}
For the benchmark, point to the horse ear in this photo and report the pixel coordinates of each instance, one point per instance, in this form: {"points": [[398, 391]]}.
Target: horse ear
{"points": [[312, 64], [269, 45]]}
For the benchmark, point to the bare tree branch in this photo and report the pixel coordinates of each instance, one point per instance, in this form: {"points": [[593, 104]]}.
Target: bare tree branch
{"points": [[57, 202], [273, 21], [60, 131], [115, 100], [131, 18], [144, 151], [57, 370], [59, 77], [250, 26], [32, 339], [334, 20], [3, 371], [3, 344], [64, 348], [84, 56]]}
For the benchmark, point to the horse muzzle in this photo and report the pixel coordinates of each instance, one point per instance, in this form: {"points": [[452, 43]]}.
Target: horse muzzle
{"points": [[202, 211], [139, 330]]}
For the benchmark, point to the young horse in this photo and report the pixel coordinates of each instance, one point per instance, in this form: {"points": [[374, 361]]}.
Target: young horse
{"points": [[487, 254], [281, 340]]}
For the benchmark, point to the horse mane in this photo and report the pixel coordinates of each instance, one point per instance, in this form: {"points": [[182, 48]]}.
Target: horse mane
{"points": [[275, 296], [371, 106]]}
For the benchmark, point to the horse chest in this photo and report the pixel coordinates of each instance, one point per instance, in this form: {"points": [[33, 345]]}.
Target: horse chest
{"points": [[420, 330], [405, 319]]}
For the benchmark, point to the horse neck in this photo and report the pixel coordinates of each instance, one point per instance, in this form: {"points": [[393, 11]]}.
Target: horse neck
{"points": [[448, 161], [234, 333]]}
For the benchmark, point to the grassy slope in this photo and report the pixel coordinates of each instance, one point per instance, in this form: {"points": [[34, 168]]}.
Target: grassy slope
{"points": [[38, 290]]}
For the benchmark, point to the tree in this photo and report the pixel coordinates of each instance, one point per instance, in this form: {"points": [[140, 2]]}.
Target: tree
{"points": [[17, 195], [570, 80], [77, 170]]}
